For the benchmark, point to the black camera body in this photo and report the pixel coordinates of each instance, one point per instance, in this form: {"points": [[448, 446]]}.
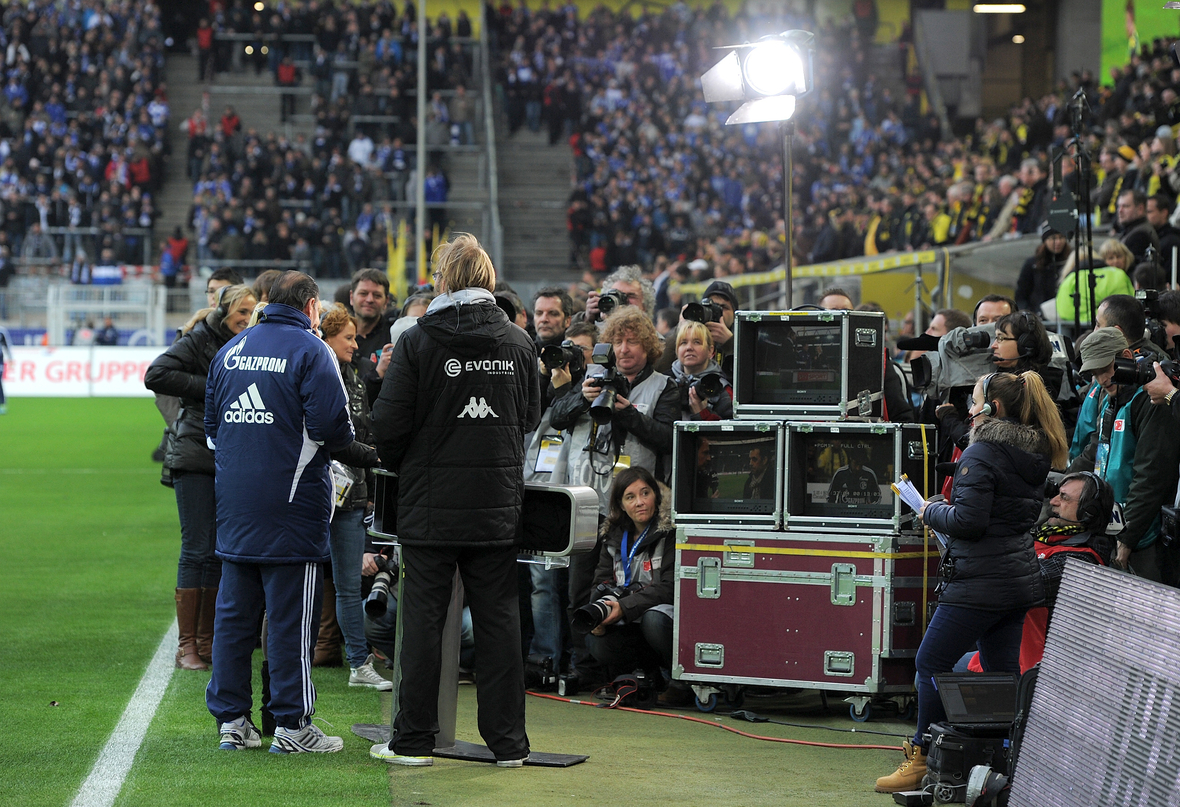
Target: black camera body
{"points": [[590, 616], [1169, 526], [709, 387], [611, 382], [567, 353], [377, 603], [705, 311], [1136, 372], [608, 301], [1153, 316]]}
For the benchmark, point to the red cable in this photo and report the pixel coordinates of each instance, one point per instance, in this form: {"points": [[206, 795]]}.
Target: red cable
{"points": [[718, 725]]}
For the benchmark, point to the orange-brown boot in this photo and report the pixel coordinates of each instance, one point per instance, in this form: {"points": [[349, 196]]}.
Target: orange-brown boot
{"points": [[327, 645], [188, 602], [909, 773], [205, 619]]}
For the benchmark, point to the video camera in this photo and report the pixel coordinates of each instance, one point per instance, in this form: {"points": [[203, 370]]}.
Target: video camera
{"points": [[590, 616], [612, 383], [1136, 373], [705, 311], [1153, 317], [567, 353], [608, 301], [954, 360]]}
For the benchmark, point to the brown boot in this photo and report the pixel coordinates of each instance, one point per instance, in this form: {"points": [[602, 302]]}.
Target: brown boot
{"points": [[188, 602], [327, 644], [205, 619], [909, 773]]}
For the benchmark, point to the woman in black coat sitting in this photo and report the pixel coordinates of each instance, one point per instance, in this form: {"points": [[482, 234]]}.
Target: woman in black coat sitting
{"points": [[990, 573]]}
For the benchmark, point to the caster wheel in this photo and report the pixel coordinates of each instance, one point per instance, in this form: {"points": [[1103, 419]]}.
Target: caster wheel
{"points": [[862, 715], [707, 705]]}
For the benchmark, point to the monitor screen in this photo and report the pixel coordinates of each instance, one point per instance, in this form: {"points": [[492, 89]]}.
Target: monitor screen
{"points": [[728, 472], [796, 362], [847, 474]]}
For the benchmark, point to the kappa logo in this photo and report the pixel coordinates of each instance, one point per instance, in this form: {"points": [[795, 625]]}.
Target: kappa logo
{"points": [[249, 408], [478, 409], [454, 367]]}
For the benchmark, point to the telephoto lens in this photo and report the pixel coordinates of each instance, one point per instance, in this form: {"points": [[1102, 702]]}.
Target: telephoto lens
{"points": [[705, 311], [377, 603], [589, 617], [610, 300]]}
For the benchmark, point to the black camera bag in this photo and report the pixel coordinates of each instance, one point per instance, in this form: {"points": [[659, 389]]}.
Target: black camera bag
{"points": [[953, 751]]}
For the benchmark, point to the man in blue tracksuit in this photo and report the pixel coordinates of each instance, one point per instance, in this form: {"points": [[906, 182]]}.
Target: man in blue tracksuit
{"points": [[275, 407]]}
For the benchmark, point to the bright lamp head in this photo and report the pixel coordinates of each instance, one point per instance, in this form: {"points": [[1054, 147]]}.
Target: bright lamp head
{"points": [[773, 67], [768, 75]]}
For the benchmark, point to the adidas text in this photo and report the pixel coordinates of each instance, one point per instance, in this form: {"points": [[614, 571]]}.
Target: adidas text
{"points": [[478, 409], [238, 416], [249, 408]]}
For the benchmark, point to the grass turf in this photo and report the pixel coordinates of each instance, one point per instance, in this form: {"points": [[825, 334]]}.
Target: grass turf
{"points": [[90, 541]]}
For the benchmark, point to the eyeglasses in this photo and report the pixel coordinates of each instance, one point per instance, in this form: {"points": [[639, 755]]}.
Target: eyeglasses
{"points": [[1002, 338]]}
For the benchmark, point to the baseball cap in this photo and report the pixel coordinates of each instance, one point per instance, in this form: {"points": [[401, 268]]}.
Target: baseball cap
{"points": [[698, 265], [1101, 348], [725, 290]]}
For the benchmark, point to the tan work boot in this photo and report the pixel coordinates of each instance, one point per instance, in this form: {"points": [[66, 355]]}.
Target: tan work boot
{"points": [[205, 618], [909, 773], [188, 603]]}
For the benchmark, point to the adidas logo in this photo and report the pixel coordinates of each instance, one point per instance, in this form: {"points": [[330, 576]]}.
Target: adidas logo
{"points": [[249, 408], [477, 410]]}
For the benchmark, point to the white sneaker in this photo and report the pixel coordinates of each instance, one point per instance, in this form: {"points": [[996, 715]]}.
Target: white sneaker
{"points": [[383, 752], [512, 763], [366, 676], [238, 734], [308, 739]]}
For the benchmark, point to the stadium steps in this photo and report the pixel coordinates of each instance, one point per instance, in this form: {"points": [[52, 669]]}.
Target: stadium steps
{"points": [[466, 175], [885, 63], [534, 193]]}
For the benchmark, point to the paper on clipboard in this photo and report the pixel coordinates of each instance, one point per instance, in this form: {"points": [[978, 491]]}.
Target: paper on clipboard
{"points": [[905, 489]]}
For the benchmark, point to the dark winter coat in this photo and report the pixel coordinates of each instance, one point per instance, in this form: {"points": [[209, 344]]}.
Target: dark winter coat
{"points": [[995, 501], [181, 371], [460, 393], [360, 455]]}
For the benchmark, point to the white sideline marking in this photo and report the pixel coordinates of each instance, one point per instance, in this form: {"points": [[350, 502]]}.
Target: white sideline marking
{"points": [[102, 786]]}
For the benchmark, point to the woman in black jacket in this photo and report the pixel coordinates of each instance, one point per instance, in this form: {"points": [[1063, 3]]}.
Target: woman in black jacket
{"points": [[636, 559], [181, 371], [347, 542], [1038, 277], [990, 576]]}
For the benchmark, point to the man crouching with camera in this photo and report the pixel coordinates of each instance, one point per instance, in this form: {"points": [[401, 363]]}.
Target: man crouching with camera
{"points": [[620, 417]]}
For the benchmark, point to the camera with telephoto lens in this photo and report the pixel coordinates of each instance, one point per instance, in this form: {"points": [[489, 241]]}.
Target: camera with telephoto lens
{"points": [[612, 383], [978, 340], [377, 603], [1153, 324], [705, 311], [567, 353], [1139, 372], [608, 301], [709, 388], [589, 617]]}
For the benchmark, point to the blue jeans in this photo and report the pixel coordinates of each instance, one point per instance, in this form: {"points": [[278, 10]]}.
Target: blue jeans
{"points": [[548, 615], [953, 631], [195, 503], [348, 545]]}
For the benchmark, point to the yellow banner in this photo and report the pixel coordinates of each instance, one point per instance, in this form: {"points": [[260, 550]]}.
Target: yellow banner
{"points": [[849, 268]]}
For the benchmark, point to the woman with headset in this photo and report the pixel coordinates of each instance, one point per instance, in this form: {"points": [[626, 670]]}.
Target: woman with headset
{"points": [[181, 371], [990, 576]]}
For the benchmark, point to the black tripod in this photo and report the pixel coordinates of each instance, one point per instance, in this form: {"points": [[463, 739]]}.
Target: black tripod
{"points": [[1079, 109]]}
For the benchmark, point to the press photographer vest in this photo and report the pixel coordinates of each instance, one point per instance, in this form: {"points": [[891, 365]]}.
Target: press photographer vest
{"points": [[1115, 460], [596, 465], [544, 448]]}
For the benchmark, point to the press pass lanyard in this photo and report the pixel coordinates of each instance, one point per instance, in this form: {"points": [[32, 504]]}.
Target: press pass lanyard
{"points": [[631, 555]]}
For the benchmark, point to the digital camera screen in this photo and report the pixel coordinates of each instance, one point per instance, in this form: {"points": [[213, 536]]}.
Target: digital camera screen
{"points": [[847, 474], [796, 363], [730, 472]]}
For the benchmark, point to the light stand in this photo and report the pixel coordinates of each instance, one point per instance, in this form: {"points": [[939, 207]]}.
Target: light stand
{"points": [[787, 130]]}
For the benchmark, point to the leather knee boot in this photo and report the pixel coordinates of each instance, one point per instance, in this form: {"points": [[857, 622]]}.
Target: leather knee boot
{"points": [[327, 645], [188, 602], [205, 619]]}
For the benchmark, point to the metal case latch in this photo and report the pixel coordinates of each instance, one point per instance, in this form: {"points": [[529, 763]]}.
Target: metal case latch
{"points": [[710, 655], [736, 560], [843, 584], [839, 662], [709, 578]]}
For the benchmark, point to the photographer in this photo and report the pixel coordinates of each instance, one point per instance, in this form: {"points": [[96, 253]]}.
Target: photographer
{"points": [[1124, 312], [705, 392], [632, 289], [635, 562], [1132, 445], [724, 302], [182, 371], [990, 575]]}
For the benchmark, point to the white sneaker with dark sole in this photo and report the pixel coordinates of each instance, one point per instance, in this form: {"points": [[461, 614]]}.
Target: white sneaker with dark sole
{"points": [[512, 763], [307, 740], [383, 752], [366, 676], [238, 734]]}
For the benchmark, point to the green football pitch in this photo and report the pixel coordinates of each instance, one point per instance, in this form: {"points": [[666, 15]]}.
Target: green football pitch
{"points": [[89, 540]]}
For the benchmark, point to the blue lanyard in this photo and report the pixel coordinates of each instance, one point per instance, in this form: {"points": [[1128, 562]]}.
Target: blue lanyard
{"points": [[631, 555]]}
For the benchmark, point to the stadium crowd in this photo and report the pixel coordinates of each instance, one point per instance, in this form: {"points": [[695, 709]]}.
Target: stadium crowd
{"points": [[83, 120]]}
